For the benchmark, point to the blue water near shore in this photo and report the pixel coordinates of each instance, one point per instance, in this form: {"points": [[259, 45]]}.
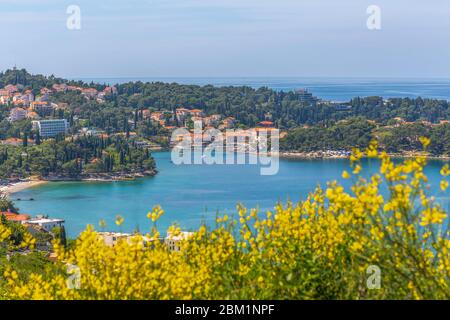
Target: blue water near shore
{"points": [[334, 89], [189, 194], [192, 194]]}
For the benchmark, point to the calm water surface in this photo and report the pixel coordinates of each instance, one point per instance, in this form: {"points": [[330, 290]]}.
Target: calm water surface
{"points": [[189, 194], [335, 89]]}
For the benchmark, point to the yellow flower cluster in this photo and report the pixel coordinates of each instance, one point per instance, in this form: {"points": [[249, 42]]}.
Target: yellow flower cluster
{"points": [[319, 248], [5, 233], [6, 241]]}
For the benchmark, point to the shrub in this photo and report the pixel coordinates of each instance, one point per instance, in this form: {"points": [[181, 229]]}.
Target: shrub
{"points": [[321, 248]]}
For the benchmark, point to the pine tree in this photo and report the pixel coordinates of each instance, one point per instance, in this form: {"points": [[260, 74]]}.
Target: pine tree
{"points": [[38, 138], [62, 236], [25, 140]]}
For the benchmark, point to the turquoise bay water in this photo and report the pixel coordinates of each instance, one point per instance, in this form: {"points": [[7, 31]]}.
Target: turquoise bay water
{"points": [[189, 194]]}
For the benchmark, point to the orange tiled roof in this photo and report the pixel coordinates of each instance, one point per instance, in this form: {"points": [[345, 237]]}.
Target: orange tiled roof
{"points": [[10, 216], [266, 123]]}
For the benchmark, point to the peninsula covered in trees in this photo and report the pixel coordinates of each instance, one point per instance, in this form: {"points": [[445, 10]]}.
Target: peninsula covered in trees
{"points": [[82, 157], [132, 118]]}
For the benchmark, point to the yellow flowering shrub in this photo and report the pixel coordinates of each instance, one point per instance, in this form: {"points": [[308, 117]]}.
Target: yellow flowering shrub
{"points": [[321, 248]]}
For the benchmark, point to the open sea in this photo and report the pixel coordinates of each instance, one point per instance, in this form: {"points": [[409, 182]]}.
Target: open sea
{"points": [[334, 89]]}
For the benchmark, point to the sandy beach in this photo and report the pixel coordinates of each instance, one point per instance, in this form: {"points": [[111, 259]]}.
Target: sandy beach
{"points": [[19, 186]]}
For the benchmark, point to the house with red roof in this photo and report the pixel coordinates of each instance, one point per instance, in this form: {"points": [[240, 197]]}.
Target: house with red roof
{"points": [[196, 112], [265, 124], [10, 216], [17, 114]]}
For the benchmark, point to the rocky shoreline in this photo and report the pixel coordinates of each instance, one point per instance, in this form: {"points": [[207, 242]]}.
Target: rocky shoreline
{"points": [[104, 177], [315, 155], [346, 155], [10, 188]]}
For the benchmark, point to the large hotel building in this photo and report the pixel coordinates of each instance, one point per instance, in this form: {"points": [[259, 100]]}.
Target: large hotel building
{"points": [[51, 128]]}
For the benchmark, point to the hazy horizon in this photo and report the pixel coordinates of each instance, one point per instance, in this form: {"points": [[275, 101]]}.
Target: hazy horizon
{"points": [[227, 39]]}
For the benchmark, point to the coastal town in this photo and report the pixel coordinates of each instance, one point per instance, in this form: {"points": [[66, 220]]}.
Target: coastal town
{"points": [[60, 110], [223, 159], [60, 130], [50, 119], [45, 229]]}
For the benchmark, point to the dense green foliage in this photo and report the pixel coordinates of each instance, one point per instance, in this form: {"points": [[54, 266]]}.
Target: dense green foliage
{"points": [[249, 106], [7, 205], [406, 138], [358, 132], [25, 264], [75, 157], [333, 126], [343, 135]]}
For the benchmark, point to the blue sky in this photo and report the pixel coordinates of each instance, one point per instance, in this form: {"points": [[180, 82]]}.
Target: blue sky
{"points": [[227, 38]]}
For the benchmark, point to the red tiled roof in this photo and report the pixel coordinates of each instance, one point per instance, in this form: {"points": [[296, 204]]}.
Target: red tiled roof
{"points": [[266, 123], [10, 216]]}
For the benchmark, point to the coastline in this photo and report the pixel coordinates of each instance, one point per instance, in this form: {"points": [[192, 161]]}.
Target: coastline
{"points": [[316, 155], [104, 177], [19, 186], [14, 187]]}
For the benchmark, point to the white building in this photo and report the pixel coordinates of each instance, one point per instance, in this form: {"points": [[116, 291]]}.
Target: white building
{"points": [[17, 114], [51, 128], [112, 238], [172, 240], [46, 224], [4, 99]]}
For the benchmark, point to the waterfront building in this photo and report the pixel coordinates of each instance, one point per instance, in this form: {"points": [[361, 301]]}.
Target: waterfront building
{"points": [[112, 238], [51, 128], [46, 223], [172, 240], [10, 216]]}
